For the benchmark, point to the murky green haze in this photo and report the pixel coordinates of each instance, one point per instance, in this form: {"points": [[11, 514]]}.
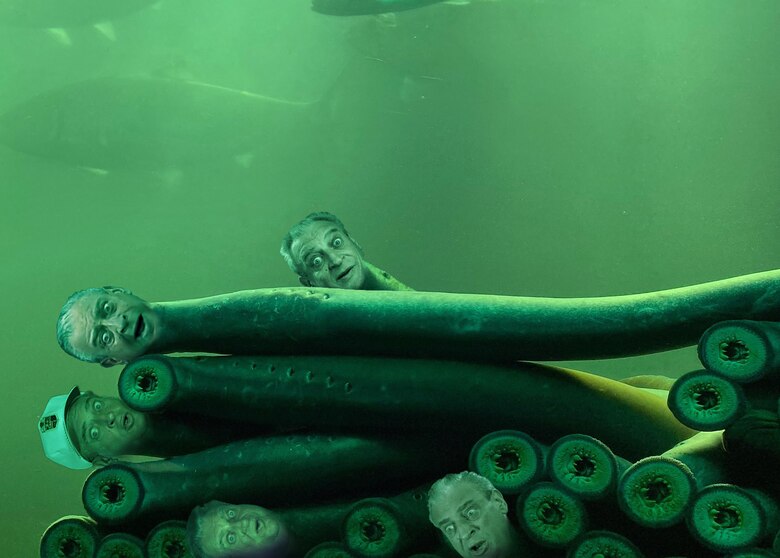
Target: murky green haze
{"points": [[552, 148]]}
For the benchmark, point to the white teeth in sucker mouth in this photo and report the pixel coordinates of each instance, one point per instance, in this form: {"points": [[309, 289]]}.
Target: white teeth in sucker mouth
{"points": [[139, 326]]}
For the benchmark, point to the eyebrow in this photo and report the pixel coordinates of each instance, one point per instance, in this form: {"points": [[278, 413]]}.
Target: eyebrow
{"points": [[84, 422], [93, 332], [459, 511]]}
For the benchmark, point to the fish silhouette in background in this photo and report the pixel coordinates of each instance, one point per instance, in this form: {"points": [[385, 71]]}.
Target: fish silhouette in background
{"points": [[153, 124], [56, 16], [372, 7], [169, 125]]}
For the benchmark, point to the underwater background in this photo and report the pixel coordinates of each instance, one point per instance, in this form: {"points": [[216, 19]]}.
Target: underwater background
{"points": [[523, 147]]}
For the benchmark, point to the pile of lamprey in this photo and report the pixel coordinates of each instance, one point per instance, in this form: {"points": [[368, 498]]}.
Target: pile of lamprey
{"points": [[342, 441]]}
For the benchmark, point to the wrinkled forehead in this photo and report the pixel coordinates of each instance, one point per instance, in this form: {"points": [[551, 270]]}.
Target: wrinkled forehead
{"points": [[312, 234], [452, 497], [78, 318], [210, 526]]}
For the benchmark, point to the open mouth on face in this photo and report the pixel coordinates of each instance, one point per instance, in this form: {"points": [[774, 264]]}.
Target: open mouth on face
{"points": [[478, 548], [127, 421], [344, 273], [139, 328]]}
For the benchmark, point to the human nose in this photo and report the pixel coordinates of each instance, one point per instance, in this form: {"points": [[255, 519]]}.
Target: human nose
{"points": [[334, 260], [117, 322], [109, 419], [464, 530]]}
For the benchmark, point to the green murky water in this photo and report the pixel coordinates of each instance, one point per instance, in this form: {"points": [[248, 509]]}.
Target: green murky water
{"points": [[553, 148]]}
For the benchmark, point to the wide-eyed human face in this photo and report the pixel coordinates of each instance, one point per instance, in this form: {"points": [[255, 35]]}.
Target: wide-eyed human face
{"points": [[474, 523], [104, 426], [112, 325], [328, 257], [244, 531]]}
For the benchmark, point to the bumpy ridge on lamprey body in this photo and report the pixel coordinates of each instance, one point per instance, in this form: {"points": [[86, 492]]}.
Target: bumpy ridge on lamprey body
{"points": [[743, 350], [459, 326], [359, 395], [278, 471], [172, 434], [71, 536]]}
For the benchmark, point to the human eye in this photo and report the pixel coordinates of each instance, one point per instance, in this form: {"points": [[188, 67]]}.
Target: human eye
{"points": [[106, 338], [230, 514], [94, 433], [231, 538], [107, 307], [316, 262], [449, 529], [471, 514], [97, 405], [337, 242]]}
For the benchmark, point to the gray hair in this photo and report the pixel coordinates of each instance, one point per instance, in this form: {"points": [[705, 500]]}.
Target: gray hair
{"points": [[445, 483], [298, 229], [65, 325], [201, 515], [194, 524]]}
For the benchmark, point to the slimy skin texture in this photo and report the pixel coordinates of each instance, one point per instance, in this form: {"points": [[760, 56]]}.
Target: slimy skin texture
{"points": [[168, 540], [353, 394], [320, 321], [511, 460], [551, 516], [279, 471], [585, 466], [742, 350], [71, 536], [120, 545], [386, 527]]}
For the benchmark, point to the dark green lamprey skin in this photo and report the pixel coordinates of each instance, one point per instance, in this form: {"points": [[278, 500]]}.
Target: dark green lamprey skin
{"points": [[743, 350], [271, 472], [728, 518], [171, 434], [585, 466], [120, 545], [551, 516], [357, 394], [511, 460], [605, 544], [387, 527], [70, 537], [459, 326], [168, 540], [329, 549]]}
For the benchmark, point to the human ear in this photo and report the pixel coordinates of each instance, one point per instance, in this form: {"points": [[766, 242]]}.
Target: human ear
{"points": [[498, 498], [116, 290]]}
